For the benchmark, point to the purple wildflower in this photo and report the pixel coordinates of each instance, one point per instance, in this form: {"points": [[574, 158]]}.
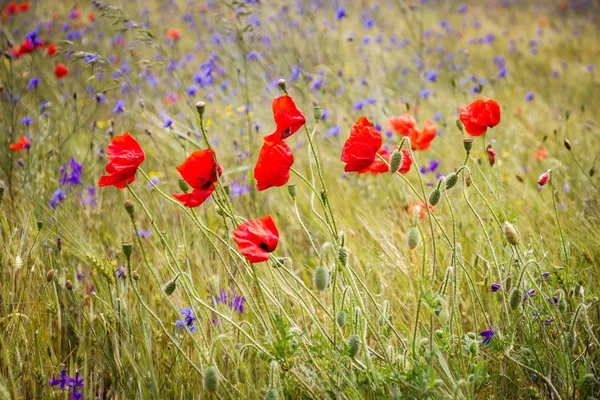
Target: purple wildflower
{"points": [[188, 319], [71, 173], [488, 335], [57, 197]]}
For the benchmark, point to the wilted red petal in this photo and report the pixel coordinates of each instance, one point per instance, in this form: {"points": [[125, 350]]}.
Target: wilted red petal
{"points": [[257, 238], [273, 166], [288, 117], [361, 147]]}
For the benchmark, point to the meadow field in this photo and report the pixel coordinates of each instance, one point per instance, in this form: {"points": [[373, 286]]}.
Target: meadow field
{"points": [[311, 199]]}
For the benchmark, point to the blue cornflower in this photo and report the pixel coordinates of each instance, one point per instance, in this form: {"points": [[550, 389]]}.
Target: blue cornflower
{"points": [[437, 116], [88, 197], [296, 71], [488, 335], [27, 121], [33, 83], [120, 273], [502, 74], [238, 189], [118, 107], [462, 9], [340, 13], [333, 131], [529, 96], [432, 76], [90, 58], [424, 94], [57, 197], [359, 105], [71, 173], [529, 294], [188, 319], [62, 381], [495, 287], [369, 23], [191, 91], [168, 123]]}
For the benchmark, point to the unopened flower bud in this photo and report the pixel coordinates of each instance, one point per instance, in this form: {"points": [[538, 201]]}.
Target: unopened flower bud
{"points": [[135, 275], [40, 224], [211, 379], [412, 238], [183, 185], [170, 286], [200, 106], [343, 256], [129, 207], [282, 85], [395, 161], [562, 305], [568, 144], [341, 318], [50, 275], [292, 190], [515, 299], [434, 196], [543, 179], [321, 278], [226, 188], [271, 394], [451, 180], [353, 345], [69, 285], [127, 249], [1, 194], [510, 233], [468, 144], [461, 128], [318, 113], [491, 153]]}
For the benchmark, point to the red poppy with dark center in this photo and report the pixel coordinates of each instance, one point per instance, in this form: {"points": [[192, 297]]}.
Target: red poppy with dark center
{"points": [[378, 166], [480, 115], [125, 156], [22, 144], [61, 71], [361, 148], [257, 238], [288, 117], [273, 166], [200, 171]]}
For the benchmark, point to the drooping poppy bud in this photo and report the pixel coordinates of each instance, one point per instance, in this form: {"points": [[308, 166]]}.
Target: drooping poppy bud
{"points": [[543, 179]]}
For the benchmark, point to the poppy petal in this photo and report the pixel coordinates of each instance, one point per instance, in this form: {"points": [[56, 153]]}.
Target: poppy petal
{"points": [[273, 166]]}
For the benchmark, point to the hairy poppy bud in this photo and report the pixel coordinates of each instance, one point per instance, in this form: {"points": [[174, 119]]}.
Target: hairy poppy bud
{"points": [[321, 278], [341, 318], [318, 113], [69, 285], [40, 225], [395, 161], [200, 106], [562, 305], [282, 85], [293, 191], [50, 275], [271, 394], [461, 128], [412, 239], [211, 379], [434, 196], [468, 144], [515, 299], [129, 207], [568, 144], [543, 179], [451, 180], [510, 233], [343, 256], [353, 345], [127, 249], [170, 286], [183, 185]]}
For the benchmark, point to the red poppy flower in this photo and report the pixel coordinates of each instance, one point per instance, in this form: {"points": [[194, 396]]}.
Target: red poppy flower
{"points": [[419, 209], [199, 170], [421, 140], [61, 70], [273, 166], [288, 117], [51, 50], [257, 238], [125, 156], [11, 8], [378, 166], [91, 17], [24, 6], [480, 115], [540, 154], [174, 33], [361, 148], [402, 124], [26, 47], [22, 144]]}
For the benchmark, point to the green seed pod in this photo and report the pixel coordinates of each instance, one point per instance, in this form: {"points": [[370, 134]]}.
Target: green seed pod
{"points": [[282, 85], [451, 180], [510, 233], [293, 191], [200, 106], [271, 394], [343, 256], [129, 207], [341, 318], [170, 286], [562, 305], [211, 379], [515, 299], [321, 278], [317, 113], [434, 196], [467, 143], [183, 185], [413, 237], [40, 224], [353, 345], [127, 249], [395, 161]]}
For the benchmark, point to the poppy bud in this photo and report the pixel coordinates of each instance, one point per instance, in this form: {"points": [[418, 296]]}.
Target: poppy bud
{"points": [[341, 318], [515, 299], [271, 395], [127, 249], [451, 180], [353, 345], [69, 285], [461, 128], [568, 144], [40, 224], [226, 188], [135, 275], [468, 144], [183, 185], [170, 286], [491, 155], [395, 161], [1, 194], [543, 179], [412, 239], [129, 207], [293, 191], [343, 256], [282, 85], [211, 379], [510, 233], [562, 305], [50, 275], [318, 113], [434, 196], [200, 108], [321, 278], [473, 348]]}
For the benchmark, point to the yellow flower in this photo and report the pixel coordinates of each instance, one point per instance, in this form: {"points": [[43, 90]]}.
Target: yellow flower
{"points": [[101, 124], [209, 123]]}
